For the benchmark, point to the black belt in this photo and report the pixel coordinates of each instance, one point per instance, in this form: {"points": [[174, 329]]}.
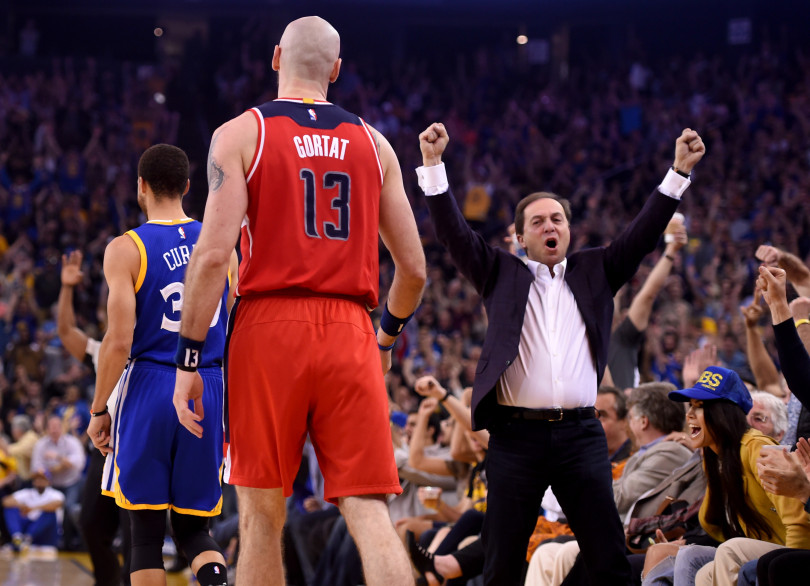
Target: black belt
{"points": [[555, 414]]}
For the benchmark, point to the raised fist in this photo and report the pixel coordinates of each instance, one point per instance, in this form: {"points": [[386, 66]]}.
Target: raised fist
{"points": [[432, 142], [689, 149]]}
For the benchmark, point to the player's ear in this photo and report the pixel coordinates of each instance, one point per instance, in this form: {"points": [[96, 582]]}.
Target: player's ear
{"points": [[188, 184], [276, 58], [335, 71]]}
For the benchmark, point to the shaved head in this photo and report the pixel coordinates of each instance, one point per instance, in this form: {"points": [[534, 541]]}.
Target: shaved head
{"points": [[310, 47]]}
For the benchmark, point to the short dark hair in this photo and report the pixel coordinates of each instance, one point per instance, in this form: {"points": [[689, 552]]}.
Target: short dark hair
{"points": [[652, 400], [618, 395], [520, 210], [165, 168]]}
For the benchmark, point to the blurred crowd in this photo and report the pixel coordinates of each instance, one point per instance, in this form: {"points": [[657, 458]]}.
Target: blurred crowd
{"points": [[72, 129]]}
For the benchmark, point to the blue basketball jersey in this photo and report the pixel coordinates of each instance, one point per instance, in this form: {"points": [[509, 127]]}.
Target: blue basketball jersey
{"points": [[165, 249]]}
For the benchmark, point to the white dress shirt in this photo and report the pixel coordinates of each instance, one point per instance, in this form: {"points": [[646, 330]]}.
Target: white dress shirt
{"points": [[554, 366]]}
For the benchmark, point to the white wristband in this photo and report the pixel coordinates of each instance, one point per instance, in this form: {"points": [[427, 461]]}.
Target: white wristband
{"points": [[433, 180]]}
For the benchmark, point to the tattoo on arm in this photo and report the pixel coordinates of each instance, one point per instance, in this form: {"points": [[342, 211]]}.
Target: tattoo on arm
{"points": [[216, 176]]}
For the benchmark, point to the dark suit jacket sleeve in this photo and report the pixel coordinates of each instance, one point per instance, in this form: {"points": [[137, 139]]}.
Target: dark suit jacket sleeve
{"points": [[794, 360], [471, 254], [624, 255]]}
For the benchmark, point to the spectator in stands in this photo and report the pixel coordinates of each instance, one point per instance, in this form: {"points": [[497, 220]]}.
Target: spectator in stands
{"points": [[736, 504], [786, 474], [611, 404], [31, 513], [768, 415], [626, 339], [25, 438], [8, 481], [63, 457]]}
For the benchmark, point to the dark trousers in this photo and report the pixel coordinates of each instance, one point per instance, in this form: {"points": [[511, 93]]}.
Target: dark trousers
{"points": [[783, 567], [524, 458], [100, 518]]}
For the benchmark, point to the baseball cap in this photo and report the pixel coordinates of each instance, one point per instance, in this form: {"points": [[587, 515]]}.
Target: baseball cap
{"points": [[716, 383]]}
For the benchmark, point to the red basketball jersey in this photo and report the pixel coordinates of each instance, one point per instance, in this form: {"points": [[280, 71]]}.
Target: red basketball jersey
{"points": [[313, 203]]}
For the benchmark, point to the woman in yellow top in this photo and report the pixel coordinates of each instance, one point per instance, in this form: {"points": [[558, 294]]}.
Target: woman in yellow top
{"points": [[736, 504], [8, 476]]}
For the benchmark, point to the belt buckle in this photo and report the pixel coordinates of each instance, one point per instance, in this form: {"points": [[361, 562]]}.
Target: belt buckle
{"points": [[559, 413]]}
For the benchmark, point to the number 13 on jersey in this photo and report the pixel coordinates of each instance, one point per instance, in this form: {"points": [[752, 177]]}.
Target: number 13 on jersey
{"points": [[331, 180]]}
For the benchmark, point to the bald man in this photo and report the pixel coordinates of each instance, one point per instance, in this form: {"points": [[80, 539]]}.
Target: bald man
{"points": [[310, 186]]}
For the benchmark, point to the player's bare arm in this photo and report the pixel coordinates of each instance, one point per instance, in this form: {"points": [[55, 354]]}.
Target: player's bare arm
{"points": [[401, 238], [73, 339], [224, 212], [122, 263], [231, 151]]}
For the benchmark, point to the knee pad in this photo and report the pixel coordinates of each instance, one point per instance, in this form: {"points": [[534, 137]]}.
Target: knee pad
{"points": [[191, 534], [148, 529]]}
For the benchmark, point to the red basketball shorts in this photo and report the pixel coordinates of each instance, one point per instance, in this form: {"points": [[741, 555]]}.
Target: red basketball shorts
{"points": [[299, 365]]}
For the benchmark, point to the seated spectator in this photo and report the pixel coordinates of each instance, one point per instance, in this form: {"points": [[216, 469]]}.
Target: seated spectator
{"points": [[626, 339], [736, 504], [31, 513], [786, 474], [8, 480], [768, 415], [405, 509], [611, 405], [62, 456], [23, 447], [792, 341], [466, 521], [651, 418]]}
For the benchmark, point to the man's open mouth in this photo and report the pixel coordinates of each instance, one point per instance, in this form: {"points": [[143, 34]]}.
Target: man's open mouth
{"points": [[551, 243]]}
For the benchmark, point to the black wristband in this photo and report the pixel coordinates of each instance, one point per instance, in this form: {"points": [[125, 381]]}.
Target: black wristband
{"points": [[669, 257], [443, 399], [683, 174], [385, 348], [189, 354], [391, 324], [99, 413]]}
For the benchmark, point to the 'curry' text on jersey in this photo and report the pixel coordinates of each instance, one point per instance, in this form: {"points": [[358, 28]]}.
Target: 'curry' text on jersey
{"points": [[165, 249]]}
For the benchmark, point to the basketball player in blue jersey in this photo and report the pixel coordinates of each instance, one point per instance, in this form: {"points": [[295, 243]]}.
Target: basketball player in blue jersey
{"points": [[158, 464]]}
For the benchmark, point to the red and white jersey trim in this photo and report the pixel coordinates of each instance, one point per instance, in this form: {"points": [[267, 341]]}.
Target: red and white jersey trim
{"points": [[257, 156], [374, 148], [302, 101]]}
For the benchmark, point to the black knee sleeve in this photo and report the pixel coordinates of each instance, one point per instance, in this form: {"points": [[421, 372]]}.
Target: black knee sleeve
{"points": [[148, 529], [191, 534], [212, 574]]}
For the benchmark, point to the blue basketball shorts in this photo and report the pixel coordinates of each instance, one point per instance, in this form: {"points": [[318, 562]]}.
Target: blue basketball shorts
{"points": [[158, 464]]}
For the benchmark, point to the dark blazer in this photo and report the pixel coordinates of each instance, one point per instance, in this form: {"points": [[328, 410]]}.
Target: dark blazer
{"points": [[503, 281]]}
